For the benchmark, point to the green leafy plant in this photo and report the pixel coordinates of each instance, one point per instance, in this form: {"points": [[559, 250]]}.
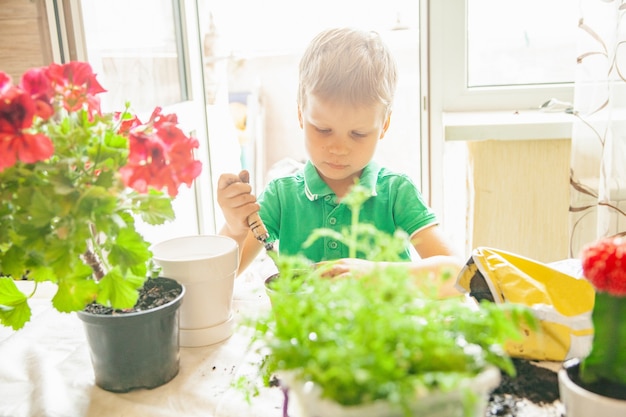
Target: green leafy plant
{"points": [[72, 182], [383, 335]]}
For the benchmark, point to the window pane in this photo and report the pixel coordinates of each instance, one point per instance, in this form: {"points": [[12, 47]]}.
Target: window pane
{"points": [[274, 27], [513, 42], [135, 56], [255, 47]]}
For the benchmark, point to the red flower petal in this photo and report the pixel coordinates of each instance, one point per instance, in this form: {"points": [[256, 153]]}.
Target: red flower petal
{"points": [[35, 82], [78, 86], [26, 148]]}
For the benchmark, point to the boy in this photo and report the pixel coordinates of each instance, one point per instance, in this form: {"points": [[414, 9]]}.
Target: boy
{"points": [[347, 84]]}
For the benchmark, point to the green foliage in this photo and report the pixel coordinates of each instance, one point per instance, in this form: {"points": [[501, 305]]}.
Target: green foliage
{"points": [[70, 220], [14, 309], [379, 336]]}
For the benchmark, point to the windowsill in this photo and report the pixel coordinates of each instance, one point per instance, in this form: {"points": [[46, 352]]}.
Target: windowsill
{"points": [[507, 125]]}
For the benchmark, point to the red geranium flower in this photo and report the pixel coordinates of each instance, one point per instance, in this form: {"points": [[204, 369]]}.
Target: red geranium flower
{"points": [[127, 123], [78, 85], [604, 265], [17, 110], [161, 156]]}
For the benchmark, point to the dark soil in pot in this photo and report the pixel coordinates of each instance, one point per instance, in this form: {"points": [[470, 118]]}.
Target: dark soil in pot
{"points": [[139, 347], [155, 292], [601, 387]]}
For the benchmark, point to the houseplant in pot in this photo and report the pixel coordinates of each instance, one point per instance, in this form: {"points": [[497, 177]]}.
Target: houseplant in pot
{"points": [[380, 343], [72, 182], [596, 383]]}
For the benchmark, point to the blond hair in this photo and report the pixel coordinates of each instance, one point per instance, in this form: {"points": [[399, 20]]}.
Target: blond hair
{"points": [[349, 65]]}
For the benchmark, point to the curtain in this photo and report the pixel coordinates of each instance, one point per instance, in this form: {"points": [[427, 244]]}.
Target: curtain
{"points": [[598, 159]]}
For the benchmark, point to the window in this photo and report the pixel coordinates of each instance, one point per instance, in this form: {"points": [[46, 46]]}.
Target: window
{"points": [[137, 62], [492, 61], [512, 43], [147, 61], [504, 54]]}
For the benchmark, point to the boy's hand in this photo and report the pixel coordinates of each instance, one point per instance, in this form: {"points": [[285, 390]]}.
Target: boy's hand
{"points": [[345, 267], [236, 201]]}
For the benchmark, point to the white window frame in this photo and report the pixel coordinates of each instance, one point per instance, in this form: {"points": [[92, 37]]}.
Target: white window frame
{"points": [[449, 30], [457, 113], [195, 207]]}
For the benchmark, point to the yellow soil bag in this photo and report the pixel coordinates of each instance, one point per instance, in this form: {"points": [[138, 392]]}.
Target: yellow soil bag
{"points": [[561, 301]]}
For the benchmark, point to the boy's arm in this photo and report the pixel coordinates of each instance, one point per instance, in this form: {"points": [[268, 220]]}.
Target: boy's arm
{"points": [[249, 248], [442, 270], [237, 203], [438, 261], [431, 242], [438, 258]]}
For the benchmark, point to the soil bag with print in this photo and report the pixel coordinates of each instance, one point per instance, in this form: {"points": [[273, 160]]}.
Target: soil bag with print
{"points": [[558, 295]]}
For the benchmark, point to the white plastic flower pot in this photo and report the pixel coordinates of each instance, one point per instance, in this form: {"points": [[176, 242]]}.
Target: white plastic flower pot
{"points": [[581, 402], [308, 402], [206, 265]]}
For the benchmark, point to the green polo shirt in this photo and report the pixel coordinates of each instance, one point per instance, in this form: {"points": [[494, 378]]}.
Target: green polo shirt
{"points": [[293, 206]]}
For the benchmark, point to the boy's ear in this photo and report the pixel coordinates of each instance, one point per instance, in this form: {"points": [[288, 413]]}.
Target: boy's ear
{"points": [[385, 126], [300, 117]]}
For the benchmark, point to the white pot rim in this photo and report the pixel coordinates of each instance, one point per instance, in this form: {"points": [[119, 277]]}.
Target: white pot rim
{"points": [[584, 393], [194, 248]]}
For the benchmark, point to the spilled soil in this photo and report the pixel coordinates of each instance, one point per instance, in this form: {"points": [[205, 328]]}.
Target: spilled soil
{"points": [[532, 383]]}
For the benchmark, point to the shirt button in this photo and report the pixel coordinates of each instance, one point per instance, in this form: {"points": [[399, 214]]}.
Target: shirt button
{"points": [[332, 245], [327, 198], [332, 220]]}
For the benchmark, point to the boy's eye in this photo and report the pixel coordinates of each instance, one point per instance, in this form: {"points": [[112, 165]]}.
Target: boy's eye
{"points": [[358, 135], [324, 131]]}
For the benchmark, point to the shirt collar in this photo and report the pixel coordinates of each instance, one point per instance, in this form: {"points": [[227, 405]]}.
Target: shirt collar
{"points": [[315, 187]]}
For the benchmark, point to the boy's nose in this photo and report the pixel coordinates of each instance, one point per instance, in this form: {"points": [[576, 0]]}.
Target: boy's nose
{"points": [[339, 146]]}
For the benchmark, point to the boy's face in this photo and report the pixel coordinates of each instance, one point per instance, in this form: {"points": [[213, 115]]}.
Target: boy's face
{"points": [[340, 138]]}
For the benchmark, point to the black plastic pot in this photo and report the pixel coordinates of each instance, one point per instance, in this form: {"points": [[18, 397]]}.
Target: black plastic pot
{"points": [[135, 350]]}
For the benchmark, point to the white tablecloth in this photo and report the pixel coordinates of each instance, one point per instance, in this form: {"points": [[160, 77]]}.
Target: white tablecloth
{"points": [[45, 369]]}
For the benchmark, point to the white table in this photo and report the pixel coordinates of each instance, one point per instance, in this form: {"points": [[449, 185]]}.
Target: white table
{"points": [[45, 369]]}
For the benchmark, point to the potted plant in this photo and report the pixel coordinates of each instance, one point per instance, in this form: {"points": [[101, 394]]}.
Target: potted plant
{"points": [[596, 383], [381, 343], [72, 182]]}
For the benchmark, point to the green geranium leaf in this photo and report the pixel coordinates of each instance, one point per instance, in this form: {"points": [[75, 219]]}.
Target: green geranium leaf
{"points": [[43, 274], [14, 309], [41, 210], [97, 200], [75, 291], [119, 292], [12, 261], [155, 208], [128, 250], [105, 179]]}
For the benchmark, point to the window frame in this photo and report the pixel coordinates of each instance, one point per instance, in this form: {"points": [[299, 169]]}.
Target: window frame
{"points": [[195, 207], [448, 23]]}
